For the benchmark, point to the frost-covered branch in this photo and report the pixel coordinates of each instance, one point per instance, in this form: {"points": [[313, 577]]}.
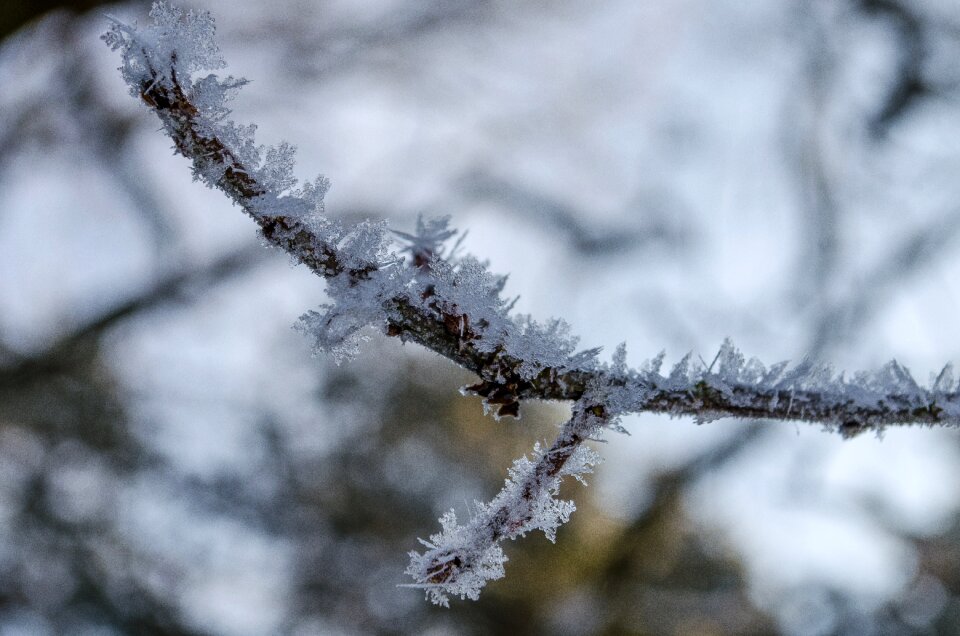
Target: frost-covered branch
{"points": [[453, 305], [462, 558]]}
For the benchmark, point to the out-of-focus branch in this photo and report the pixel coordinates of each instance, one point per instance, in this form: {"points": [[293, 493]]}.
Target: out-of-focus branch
{"points": [[913, 252], [587, 240], [17, 13], [336, 49], [909, 85], [60, 354], [837, 316]]}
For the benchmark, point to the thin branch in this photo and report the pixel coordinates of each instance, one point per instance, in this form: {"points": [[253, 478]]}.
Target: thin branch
{"points": [[461, 559], [506, 353], [585, 238], [453, 306], [62, 352]]}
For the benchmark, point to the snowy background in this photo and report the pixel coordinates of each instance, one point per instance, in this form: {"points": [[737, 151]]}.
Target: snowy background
{"points": [[667, 174]]}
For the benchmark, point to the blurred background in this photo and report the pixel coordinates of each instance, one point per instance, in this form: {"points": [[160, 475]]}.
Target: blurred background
{"points": [[780, 172]]}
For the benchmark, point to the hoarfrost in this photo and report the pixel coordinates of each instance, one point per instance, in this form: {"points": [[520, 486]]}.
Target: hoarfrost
{"points": [[454, 305], [174, 47], [461, 294], [336, 328], [168, 53], [462, 558], [944, 382], [276, 173], [543, 346], [455, 547]]}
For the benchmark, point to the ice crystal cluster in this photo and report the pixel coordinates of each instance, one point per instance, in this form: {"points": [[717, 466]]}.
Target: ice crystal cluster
{"points": [[160, 64], [424, 292]]}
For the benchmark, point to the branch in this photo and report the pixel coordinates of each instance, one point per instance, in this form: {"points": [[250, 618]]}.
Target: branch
{"points": [[453, 306], [460, 559]]}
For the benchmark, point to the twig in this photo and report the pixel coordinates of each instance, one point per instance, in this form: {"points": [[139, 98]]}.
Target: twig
{"points": [[455, 308]]}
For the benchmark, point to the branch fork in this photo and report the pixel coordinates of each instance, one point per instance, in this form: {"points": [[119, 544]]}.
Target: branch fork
{"points": [[453, 306]]}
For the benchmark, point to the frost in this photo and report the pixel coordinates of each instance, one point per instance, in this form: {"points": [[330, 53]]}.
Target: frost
{"points": [[774, 373], [336, 330], [732, 384], [944, 382], [462, 558], [276, 173], [365, 243], [542, 346], [542, 510], [312, 192], [454, 305], [174, 47], [336, 327], [159, 64], [619, 363], [652, 367], [453, 549], [680, 374], [469, 284], [466, 289], [210, 95], [459, 299]]}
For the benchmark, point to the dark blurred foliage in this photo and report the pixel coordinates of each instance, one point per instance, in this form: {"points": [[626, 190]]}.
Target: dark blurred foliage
{"points": [[17, 13], [350, 513]]}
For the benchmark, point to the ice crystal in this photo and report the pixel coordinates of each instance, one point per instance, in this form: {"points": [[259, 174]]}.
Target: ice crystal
{"points": [[312, 192], [426, 243], [808, 390], [174, 47], [944, 382], [276, 173], [455, 549], [336, 327], [364, 244], [540, 510], [543, 346], [168, 53]]}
